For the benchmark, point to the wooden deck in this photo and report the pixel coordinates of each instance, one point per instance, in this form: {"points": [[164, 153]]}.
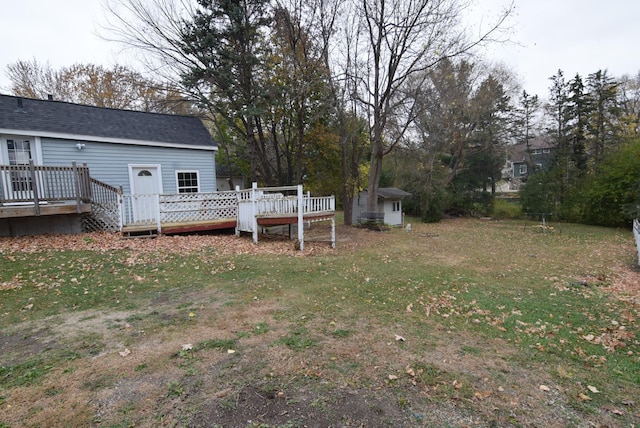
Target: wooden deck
{"points": [[275, 220], [33, 190], [26, 209], [243, 210], [182, 227], [30, 190]]}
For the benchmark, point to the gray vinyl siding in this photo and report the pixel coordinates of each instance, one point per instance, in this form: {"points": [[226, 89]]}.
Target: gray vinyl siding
{"points": [[108, 162]]}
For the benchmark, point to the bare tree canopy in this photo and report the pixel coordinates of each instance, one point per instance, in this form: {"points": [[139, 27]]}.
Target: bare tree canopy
{"points": [[397, 42], [90, 84]]}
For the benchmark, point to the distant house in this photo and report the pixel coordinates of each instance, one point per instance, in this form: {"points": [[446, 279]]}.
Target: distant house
{"points": [[137, 152], [389, 206], [522, 161]]}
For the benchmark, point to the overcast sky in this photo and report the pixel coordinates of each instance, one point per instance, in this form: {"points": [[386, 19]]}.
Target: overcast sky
{"points": [[577, 36]]}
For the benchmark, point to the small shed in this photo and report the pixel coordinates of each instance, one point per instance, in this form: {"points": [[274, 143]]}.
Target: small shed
{"points": [[389, 206]]}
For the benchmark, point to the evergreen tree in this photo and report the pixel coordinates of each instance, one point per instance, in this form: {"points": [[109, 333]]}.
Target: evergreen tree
{"points": [[524, 115], [226, 44], [578, 115], [603, 126]]}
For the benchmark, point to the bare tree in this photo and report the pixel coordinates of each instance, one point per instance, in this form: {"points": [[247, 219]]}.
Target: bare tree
{"points": [[399, 40], [96, 85]]}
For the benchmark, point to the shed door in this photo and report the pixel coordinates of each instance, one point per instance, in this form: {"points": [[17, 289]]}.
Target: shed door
{"points": [[145, 187]]}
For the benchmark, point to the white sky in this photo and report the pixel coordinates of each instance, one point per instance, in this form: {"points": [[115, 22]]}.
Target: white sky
{"points": [[577, 36]]}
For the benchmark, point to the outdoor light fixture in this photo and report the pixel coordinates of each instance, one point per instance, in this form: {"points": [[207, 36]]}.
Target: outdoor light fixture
{"points": [[80, 146]]}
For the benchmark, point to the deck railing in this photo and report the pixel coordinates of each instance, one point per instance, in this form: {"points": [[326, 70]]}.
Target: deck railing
{"points": [[139, 210], [105, 208], [198, 207], [279, 202], [36, 184]]}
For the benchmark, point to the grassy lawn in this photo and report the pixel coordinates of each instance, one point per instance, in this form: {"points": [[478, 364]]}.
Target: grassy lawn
{"points": [[461, 323]]}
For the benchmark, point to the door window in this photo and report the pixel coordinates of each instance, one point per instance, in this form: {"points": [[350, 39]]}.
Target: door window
{"points": [[19, 151]]}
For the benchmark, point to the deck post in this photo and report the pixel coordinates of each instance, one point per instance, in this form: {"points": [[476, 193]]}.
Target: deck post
{"points": [[121, 208], [333, 232], [87, 182], [76, 184], [254, 211], [158, 222], [301, 217], [238, 211], [34, 188]]}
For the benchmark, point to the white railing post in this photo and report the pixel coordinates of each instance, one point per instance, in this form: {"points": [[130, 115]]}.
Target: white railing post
{"points": [[301, 217], [254, 211], [636, 233], [333, 232], [157, 212]]}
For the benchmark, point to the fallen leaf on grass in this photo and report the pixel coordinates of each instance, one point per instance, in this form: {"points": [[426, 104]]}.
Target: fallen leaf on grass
{"points": [[393, 377], [400, 338], [617, 412], [187, 347], [223, 393], [593, 389], [482, 394], [544, 388], [584, 397], [410, 371], [124, 353]]}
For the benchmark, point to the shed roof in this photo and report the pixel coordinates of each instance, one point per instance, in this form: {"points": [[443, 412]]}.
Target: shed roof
{"points": [[41, 117], [390, 193]]}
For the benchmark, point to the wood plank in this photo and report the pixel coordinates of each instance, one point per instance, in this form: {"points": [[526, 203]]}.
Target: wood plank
{"points": [[48, 209], [273, 221], [201, 227]]}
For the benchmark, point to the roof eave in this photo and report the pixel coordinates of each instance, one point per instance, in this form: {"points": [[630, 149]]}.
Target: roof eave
{"points": [[98, 139]]}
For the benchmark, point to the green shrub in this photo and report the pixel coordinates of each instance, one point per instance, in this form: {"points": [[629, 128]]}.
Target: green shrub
{"points": [[507, 209]]}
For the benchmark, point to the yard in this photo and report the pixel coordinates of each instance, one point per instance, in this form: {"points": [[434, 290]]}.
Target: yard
{"points": [[461, 323]]}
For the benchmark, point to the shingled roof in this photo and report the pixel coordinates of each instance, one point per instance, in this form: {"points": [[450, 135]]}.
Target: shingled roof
{"points": [[57, 118], [392, 193]]}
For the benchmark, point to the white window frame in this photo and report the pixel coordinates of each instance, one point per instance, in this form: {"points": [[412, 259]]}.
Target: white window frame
{"points": [[36, 148], [523, 169], [395, 206], [546, 150], [188, 171]]}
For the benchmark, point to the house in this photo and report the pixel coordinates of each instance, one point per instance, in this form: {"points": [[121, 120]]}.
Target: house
{"points": [[522, 161], [44, 142], [67, 168], [389, 206]]}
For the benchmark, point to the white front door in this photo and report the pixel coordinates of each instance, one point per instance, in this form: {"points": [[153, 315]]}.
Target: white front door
{"points": [[146, 185]]}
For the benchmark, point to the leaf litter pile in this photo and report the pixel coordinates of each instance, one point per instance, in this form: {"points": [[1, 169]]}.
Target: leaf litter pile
{"points": [[426, 350]]}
